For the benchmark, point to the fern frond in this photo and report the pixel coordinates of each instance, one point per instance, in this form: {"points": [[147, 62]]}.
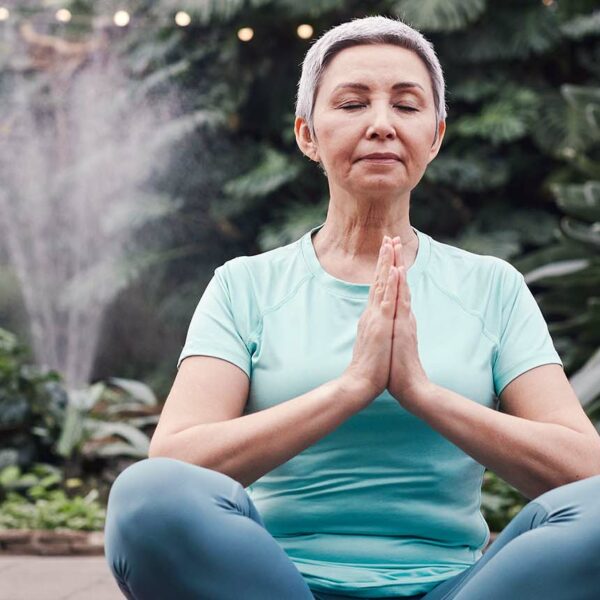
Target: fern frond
{"points": [[440, 15], [499, 36], [505, 120], [582, 26], [471, 172]]}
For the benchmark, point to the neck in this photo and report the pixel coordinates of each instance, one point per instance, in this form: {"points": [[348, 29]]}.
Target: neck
{"points": [[360, 239]]}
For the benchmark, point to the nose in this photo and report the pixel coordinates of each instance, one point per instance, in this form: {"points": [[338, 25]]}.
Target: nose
{"points": [[381, 122]]}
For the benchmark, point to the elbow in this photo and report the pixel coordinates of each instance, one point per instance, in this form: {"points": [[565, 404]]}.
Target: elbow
{"points": [[153, 451], [157, 447]]}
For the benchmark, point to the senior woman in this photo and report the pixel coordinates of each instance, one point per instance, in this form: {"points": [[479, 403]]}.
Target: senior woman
{"points": [[336, 401]]}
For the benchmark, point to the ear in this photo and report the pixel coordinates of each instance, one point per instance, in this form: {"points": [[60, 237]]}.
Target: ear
{"points": [[304, 139], [435, 147]]}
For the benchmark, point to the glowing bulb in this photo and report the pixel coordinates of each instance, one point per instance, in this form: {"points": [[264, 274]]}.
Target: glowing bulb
{"points": [[121, 18], [63, 15], [182, 19], [4, 13], [304, 31], [547, 2], [245, 34]]}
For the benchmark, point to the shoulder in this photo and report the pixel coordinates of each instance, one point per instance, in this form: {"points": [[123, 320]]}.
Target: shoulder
{"points": [[483, 285], [259, 264], [458, 270], [268, 277]]}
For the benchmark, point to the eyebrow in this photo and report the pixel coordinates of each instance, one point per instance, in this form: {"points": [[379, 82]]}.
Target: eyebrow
{"points": [[401, 85]]}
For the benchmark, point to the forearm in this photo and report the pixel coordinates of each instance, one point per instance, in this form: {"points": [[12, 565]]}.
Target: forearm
{"points": [[533, 457], [247, 447]]}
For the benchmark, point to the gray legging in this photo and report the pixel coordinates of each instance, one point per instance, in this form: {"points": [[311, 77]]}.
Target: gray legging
{"points": [[178, 530]]}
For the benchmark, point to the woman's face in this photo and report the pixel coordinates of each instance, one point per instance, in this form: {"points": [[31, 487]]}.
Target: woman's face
{"points": [[373, 98]]}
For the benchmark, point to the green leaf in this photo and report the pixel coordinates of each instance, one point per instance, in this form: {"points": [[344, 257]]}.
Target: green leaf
{"points": [[582, 232], [440, 15], [504, 120], [556, 269], [470, 171], [586, 381], [582, 26], [579, 200], [505, 34], [136, 389]]}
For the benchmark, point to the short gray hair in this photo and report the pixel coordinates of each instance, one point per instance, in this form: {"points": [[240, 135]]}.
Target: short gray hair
{"points": [[367, 30]]}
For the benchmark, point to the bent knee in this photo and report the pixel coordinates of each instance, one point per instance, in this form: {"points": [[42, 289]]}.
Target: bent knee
{"points": [[154, 483], [142, 479]]}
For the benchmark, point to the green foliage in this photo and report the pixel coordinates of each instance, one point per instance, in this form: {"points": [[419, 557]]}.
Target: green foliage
{"points": [[504, 120], [506, 33], [440, 15], [94, 427], [582, 26], [31, 405], [274, 170], [569, 270], [500, 501], [32, 501]]}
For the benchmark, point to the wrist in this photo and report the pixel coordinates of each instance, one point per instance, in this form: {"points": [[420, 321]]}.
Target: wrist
{"points": [[355, 390], [416, 395]]}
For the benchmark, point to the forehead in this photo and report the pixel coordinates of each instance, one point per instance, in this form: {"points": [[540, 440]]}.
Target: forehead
{"points": [[375, 65]]}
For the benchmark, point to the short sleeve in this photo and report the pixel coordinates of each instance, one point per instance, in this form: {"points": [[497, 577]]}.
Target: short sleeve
{"points": [[215, 330], [524, 341]]}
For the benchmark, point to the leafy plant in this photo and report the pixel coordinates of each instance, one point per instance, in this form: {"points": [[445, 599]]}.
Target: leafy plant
{"points": [[32, 403], [32, 501], [500, 501]]}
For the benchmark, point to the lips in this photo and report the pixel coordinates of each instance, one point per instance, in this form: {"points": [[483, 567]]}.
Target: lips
{"points": [[381, 155]]}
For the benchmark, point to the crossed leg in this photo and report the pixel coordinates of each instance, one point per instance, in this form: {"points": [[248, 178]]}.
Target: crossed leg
{"points": [[549, 551], [174, 529]]}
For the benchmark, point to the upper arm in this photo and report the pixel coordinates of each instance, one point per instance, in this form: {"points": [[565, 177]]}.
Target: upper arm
{"points": [[544, 394], [215, 364], [206, 390], [523, 338]]}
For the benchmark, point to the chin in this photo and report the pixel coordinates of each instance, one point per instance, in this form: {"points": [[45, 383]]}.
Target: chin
{"points": [[380, 184]]}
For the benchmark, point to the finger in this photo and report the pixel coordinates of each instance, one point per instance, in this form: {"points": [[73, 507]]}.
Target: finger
{"points": [[398, 256], [387, 262], [403, 289], [384, 270], [391, 290], [382, 251], [383, 258]]}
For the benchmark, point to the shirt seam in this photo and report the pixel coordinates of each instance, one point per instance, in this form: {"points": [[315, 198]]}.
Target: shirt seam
{"points": [[288, 296], [471, 312], [278, 304], [254, 332]]}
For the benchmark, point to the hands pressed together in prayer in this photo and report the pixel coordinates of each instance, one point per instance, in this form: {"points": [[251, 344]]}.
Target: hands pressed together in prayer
{"points": [[386, 351]]}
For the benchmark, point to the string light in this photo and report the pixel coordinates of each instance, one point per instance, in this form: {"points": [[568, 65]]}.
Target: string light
{"points": [[182, 19], [121, 18], [63, 15], [245, 34], [304, 31]]}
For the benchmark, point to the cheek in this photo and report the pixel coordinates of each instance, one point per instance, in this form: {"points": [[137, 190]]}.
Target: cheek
{"points": [[339, 141], [418, 143]]}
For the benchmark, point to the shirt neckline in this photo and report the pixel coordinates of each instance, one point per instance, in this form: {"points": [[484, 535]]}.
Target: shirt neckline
{"points": [[359, 290]]}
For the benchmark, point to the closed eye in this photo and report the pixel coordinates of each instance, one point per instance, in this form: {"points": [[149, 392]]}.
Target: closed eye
{"points": [[353, 106]]}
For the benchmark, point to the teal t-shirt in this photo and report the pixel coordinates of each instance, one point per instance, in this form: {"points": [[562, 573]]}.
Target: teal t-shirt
{"points": [[383, 505]]}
